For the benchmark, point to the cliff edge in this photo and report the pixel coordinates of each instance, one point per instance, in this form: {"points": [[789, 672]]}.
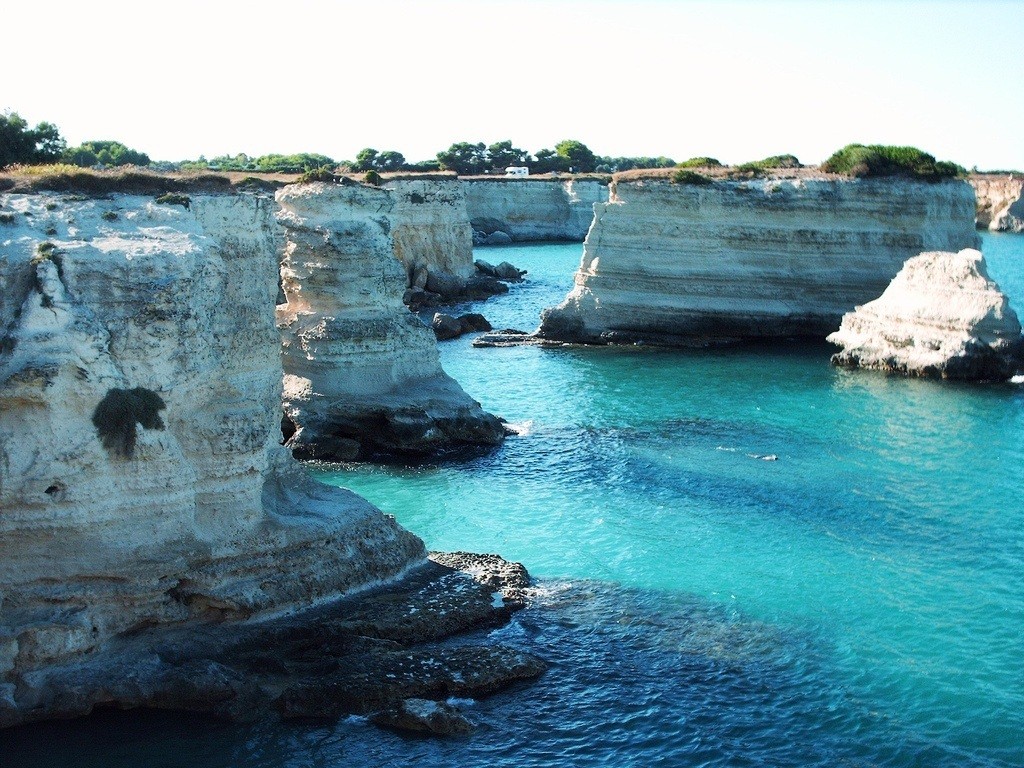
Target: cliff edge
{"points": [[686, 263]]}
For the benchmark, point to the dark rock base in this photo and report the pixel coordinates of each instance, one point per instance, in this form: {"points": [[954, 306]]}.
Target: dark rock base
{"points": [[358, 655]]}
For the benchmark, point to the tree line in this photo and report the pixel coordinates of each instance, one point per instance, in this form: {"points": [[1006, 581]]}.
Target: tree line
{"points": [[22, 143]]}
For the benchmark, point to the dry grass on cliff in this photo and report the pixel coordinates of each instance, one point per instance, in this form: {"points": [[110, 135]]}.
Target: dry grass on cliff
{"points": [[130, 180], [724, 173]]}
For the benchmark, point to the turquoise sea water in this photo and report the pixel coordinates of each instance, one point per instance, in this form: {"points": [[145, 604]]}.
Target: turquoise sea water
{"points": [[858, 601]]}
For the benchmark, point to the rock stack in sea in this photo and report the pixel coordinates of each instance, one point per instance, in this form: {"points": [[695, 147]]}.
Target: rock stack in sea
{"points": [[504, 210], [681, 263], [142, 479], [1000, 201], [942, 316], [362, 374]]}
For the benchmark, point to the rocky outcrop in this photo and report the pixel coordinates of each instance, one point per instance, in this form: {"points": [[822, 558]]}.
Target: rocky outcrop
{"points": [[383, 652], [533, 209], [942, 317], [362, 374], [1000, 206], [142, 480], [447, 327], [777, 257], [430, 227]]}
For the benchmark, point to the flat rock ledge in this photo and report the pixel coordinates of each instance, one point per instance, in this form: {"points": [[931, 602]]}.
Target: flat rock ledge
{"points": [[368, 654], [941, 317]]}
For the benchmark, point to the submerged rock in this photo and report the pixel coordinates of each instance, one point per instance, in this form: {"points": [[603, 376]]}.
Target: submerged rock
{"points": [[942, 316], [424, 716]]}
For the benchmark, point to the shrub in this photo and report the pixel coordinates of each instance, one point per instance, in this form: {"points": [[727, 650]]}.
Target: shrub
{"points": [[51, 231], [700, 162], [45, 250], [373, 178], [175, 198], [119, 411], [323, 173], [683, 176], [6, 217], [868, 161], [109, 216]]}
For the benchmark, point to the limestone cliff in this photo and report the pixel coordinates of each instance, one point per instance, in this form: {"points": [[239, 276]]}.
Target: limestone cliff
{"points": [[1000, 205], [942, 316], [534, 209], [778, 257], [142, 480], [430, 226], [362, 374]]}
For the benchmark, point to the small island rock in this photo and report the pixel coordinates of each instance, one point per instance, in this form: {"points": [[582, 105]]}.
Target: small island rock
{"points": [[942, 317]]}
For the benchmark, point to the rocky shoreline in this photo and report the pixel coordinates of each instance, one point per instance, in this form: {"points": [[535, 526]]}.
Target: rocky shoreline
{"points": [[415, 638]]}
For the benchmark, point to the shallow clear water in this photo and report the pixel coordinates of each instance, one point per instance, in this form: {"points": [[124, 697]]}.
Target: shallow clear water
{"points": [[857, 601]]}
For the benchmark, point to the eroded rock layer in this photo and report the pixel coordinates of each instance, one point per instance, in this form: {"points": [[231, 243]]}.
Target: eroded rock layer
{"points": [[534, 209], [683, 264], [1000, 201], [430, 226], [362, 374], [142, 480], [942, 316]]}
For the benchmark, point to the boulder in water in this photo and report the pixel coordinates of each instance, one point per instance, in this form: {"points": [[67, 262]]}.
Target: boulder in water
{"points": [[942, 317]]}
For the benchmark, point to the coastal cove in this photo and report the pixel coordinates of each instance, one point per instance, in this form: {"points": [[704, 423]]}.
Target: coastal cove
{"points": [[856, 599]]}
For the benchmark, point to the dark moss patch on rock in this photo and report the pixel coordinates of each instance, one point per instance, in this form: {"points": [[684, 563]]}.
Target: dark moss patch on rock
{"points": [[119, 411]]}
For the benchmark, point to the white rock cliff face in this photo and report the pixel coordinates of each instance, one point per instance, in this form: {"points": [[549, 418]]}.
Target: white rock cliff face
{"points": [[142, 480], [942, 316], [362, 374], [683, 264], [538, 209], [430, 226], [1000, 201]]}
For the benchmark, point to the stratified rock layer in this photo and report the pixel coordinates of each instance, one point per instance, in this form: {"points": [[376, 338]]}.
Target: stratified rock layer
{"points": [[534, 209], [942, 316], [682, 264], [362, 374], [1000, 201], [430, 226], [142, 480]]}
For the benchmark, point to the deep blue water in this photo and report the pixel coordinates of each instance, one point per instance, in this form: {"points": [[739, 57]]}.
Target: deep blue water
{"points": [[858, 601]]}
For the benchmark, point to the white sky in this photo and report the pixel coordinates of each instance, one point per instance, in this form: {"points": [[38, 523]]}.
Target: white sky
{"points": [[734, 80]]}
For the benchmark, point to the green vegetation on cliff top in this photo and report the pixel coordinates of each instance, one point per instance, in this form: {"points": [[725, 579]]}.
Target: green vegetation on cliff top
{"points": [[876, 160]]}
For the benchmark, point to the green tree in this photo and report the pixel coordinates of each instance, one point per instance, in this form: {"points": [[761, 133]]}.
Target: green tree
{"points": [[578, 156], [366, 160], [464, 158], [547, 161], [502, 154], [107, 153], [21, 144], [370, 159]]}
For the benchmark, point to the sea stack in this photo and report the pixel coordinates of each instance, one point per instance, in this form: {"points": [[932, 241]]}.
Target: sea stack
{"points": [[1000, 201], [142, 479], [729, 259], [362, 374], [533, 208], [942, 317]]}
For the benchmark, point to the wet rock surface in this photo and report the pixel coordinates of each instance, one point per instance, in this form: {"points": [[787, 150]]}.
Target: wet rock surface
{"points": [[448, 327], [364, 654]]}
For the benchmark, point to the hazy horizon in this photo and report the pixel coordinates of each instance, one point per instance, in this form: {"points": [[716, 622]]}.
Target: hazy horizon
{"points": [[734, 80]]}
